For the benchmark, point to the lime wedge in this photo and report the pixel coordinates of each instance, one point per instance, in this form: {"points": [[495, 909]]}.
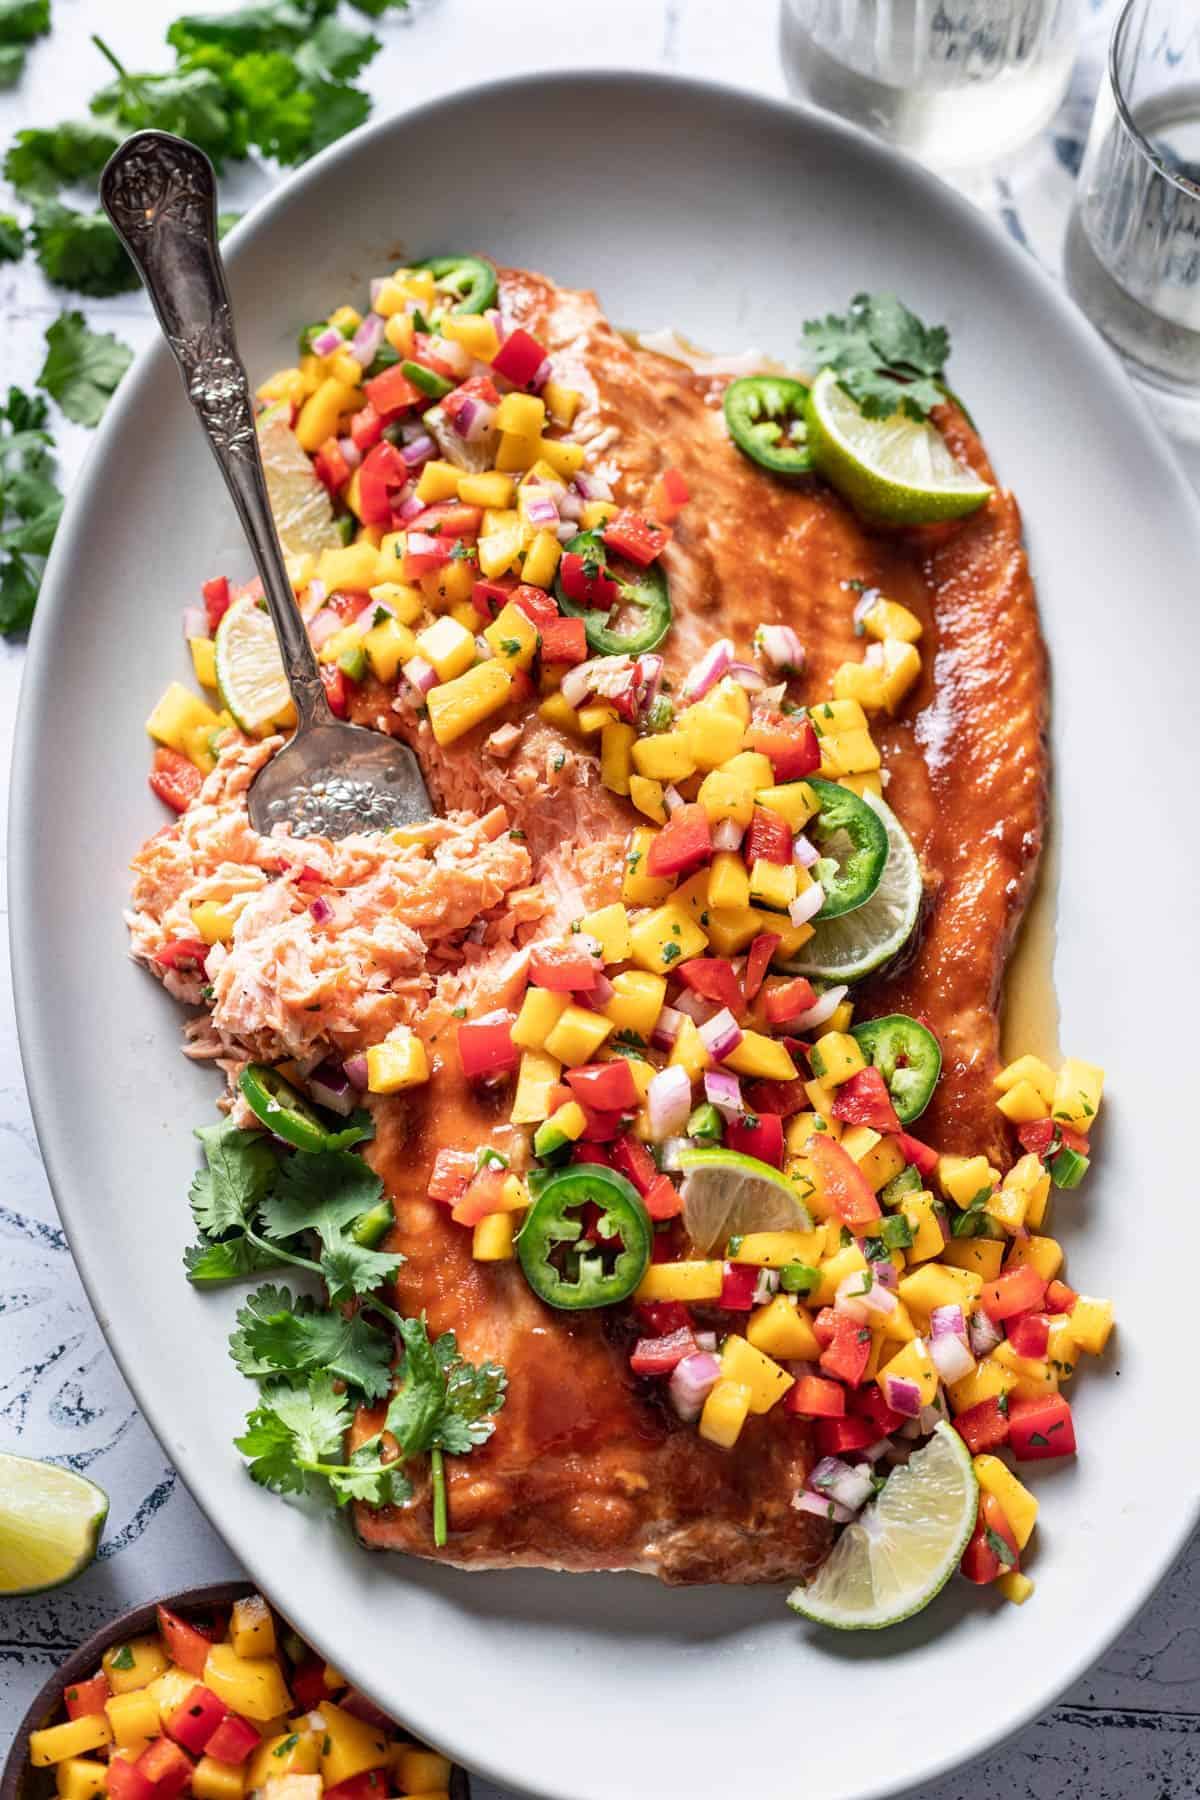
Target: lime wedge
{"points": [[851, 946], [303, 514], [726, 1194], [898, 470], [250, 677], [903, 1548], [50, 1524]]}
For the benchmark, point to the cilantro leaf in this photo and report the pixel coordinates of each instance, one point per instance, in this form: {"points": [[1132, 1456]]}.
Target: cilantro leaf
{"points": [[227, 1193], [884, 356], [445, 1401], [12, 64], [276, 1332], [276, 25], [358, 1129], [193, 102], [82, 367], [1001, 1550], [23, 20], [335, 52], [351, 1270], [30, 506], [295, 1431], [81, 250], [38, 162], [323, 1192], [210, 1265], [375, 9]]}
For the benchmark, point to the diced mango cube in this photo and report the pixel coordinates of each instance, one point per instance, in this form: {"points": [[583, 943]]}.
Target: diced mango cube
{"points": [[179, 715], [728, 881], [835, 1057], [848, 753], [1022, 1103], [1029, 1069], [981, 1255], [616, 756], [1022, 1195], [987, 1381], [1034, 1376], [899, 672], [81, 1778], [1077, 1094], [422, 1772], [725, 1412], [834, 1270], [489, 489], [493, 1238], [686, 1281], [1045, 1254], [636, 1002], [638, 887], [877, 1156], [731, 928], [204, 660], [861, 681], [438, 481], [447, 646], [609, 925], [964, 1178], [727, 795], [541, 559], [713, 735], [773, 1249], [523, 413], [474, 331], [134, 1664], [541, 1009], [354, 568], [761, 1058], [783, 1329], [888, 619], [563, 402], [928, 1240], [753, 1369], [912, 1363], [517, 451], [499, 550], [688, 1052], [399, 1062], [1091, 1323], [1018, 1504], [134, 1719], [457, 706], [577, 1035], [387, 645], [665, 937], [792, 800], [773, 885], [536, 1080], [647, 795], [1014, 1585], [565, 459], [934, 1285], [321, 411], [350, 1746], [513, 637], [74, 1737], [664, 757]]}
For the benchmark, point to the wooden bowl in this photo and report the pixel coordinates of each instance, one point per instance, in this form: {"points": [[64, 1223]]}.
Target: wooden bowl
{"points": [[22, 1782]]}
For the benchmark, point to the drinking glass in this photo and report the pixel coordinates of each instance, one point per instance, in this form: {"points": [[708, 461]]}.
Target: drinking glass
{"points": [[1132, 255], [960, 83]]}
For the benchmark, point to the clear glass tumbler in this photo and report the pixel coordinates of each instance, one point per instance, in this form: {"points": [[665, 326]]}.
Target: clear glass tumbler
{"points": [[959, 83], [1132, 255]]}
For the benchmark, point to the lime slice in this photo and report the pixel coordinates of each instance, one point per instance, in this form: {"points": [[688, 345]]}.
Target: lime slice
{"points": [[726, 1194], [50, 1524], [851, 946], [250, 677], [903, 1548], [303, 514], [898, 470]]}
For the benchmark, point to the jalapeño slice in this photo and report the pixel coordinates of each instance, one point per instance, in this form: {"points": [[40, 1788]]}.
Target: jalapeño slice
{"points": [[572, 1272], [470, 279], [907, 1055], [849, 878], [639, 619], [766, 416]]}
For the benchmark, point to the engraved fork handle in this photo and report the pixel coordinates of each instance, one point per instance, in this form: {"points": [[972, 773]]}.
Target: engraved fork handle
{"points": [[160, 193]]}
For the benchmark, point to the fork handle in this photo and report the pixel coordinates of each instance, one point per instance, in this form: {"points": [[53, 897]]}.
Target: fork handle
{"points": [[160, 193]]}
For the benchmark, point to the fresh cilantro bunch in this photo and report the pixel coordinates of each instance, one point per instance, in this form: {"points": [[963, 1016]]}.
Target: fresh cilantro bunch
{"points": [[30, 506], [884, 357]]}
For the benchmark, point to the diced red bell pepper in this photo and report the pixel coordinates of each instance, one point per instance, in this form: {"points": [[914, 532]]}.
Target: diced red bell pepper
{"points": [[187, 1644], [669, 496], [1029, 1334], [780, 1097], [166, 1766], [564, 641], [489, 599], [788, 1000], [842, 1183], [185, 953], [482, 1196], [539, 607], [392, 392], [846, 1357], [835, 1437], [424, 554], [519, 358], [428, 351], [983, 1426], [738, 1282], [607, 1087], [758, 961], [1041, 1428], [868, 1403], [815, 1398], [338, 687], [1037, 1136], [217, 600], [864, 1100], [175, 779], [348, 603], [85, 1698], [193, 1722], [658, 1356], [639, 539], [452, 1172], [448, 519], [992, 1549], [763, 1138], [587, 584], [825, 1326], [789, 742], [235, 1738], [683, 844], [666, 1246], [712, 977], [768, 839], [663, 1199], [563, 968], [366, 428], [632, 1159], [662, 1317], [330, 466], [923, 1159], [371, 1784], [381, 472], [601, 1126], [308, 1680], [1019, 1290], [1060, 1298], [125, 1781], [487, 1049]]}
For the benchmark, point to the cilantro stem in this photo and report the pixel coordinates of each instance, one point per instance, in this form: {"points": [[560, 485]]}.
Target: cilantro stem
{"points": [[275, 1250], [437, 1471], [110, 56], [389, 1314]]}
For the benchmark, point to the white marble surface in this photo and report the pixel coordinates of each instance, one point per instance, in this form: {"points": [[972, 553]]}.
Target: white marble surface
{"points": [[1131, 1729]]}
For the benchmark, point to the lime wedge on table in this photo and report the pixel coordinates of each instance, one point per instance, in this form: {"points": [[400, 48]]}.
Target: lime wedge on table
{"points": [[852, 945], [903, 1548], [50, 1524], [898, 470], [303, 514], [250, 677], [726, 1194]]}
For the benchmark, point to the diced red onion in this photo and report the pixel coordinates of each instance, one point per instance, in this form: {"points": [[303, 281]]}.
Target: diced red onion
{"points": [[723, 1090], [410, 509], [419, 451], [541, 375], [375, 287], [323, 626], [949, 1353], [566, 530], [824, 1008], [779, 646], [364, 345], [666, 1028], [948, 1321], [496, 318], [321, 910], [696, 1006], [327, 341], [873, 1452], [932, 1415], [804, 852], [465, 415], [911, 1428], [902, 1395], [836, 1480], [705, 1340], [592, 486], [570, 506], [692, 1380], [983, 1334], [456, 357], [709, 670], [879, 1298], [869, 598], [824, 1508], [419, 674], [807, 905], [885, 1272], [747, 676], [483, 649], [541, 510], [480, 425], [330, 1086], [650, 671], [195, 622], [766, 1287], [721, 1035], [850, 1299], [668, 1102], [351, 454], [356, 1072], [727, 834], [672, 798]]}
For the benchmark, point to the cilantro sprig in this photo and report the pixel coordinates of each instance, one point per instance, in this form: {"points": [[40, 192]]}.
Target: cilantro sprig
{"points": [[883, 355], [30, 506]]}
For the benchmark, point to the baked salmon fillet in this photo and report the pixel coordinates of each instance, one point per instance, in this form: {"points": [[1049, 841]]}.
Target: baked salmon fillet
{"points": [[588, 1467]]}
